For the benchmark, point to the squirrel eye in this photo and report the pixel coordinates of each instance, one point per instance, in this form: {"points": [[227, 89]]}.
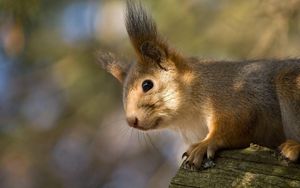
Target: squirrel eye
{"points": [[147, 85]]}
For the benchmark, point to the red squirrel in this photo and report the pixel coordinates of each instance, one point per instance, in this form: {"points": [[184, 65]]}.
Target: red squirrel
{"points": [[212, 104]]}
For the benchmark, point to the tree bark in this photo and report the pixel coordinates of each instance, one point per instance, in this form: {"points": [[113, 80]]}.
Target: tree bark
{"points": [[251, 167]]}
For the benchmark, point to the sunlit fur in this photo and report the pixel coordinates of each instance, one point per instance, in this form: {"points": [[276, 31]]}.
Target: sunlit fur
{"points": [[212, 104]]}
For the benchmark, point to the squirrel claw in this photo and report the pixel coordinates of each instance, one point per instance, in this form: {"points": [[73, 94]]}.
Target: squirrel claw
{"points": [[206, 163], [193, 167], [186, 165], [184, 155], [189, 166]]}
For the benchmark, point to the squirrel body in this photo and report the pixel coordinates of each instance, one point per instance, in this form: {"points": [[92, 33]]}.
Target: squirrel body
{"points": [[212, 104]]}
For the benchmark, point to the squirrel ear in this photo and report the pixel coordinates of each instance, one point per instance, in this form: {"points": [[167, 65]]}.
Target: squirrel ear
{"points": [[152, 51], [143, 34], [112, 65]]}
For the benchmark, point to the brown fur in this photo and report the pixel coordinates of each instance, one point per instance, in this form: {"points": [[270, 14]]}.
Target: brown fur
{"points": [[212, 104]]}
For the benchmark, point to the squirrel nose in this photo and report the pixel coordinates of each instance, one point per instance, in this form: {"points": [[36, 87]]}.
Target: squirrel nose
{"points": [[133, 121]]}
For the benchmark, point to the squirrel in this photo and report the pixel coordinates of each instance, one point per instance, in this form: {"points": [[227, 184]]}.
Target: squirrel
{"points": [[213, 104]]}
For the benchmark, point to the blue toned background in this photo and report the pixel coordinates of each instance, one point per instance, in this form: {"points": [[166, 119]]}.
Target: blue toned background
{"points": [[61, 118]]}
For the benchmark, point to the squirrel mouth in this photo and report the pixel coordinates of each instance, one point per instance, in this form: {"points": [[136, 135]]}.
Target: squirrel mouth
{"points": [[156, 123], [153, 126]]}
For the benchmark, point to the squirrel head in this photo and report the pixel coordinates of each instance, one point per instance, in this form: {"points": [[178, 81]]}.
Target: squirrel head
{"points": [[154, 86]]}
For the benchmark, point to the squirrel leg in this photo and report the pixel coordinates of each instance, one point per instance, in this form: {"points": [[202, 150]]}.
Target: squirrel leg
{"points": [[288, 90], [220, 136], [196, 152], [290, 150]]}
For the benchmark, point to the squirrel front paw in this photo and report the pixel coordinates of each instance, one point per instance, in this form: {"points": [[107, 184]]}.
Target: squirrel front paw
{"points": [[195, 154], [290, 150]]}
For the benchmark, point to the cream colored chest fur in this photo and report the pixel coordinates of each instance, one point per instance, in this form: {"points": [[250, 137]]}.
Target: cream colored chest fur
{"points": [[193, 128]]}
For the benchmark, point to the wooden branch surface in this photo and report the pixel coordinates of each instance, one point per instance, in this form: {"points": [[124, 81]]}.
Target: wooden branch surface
{"points": [[254, 166]]}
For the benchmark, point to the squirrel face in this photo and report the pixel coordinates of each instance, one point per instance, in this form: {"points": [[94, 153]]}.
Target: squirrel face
{"points": [[151, 96], [152, 87]]}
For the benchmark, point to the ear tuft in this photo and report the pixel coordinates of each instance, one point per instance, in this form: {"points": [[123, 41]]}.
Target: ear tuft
{"points": [[111, 64], [139, 24], [153, 52], [147, 42], [142, 32]]}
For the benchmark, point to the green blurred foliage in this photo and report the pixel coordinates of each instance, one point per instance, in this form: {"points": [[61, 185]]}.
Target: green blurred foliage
{"points": [[55, 94]]}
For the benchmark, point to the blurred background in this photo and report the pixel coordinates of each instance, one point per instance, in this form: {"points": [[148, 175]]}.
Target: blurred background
{"points": [[61, 118]]}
